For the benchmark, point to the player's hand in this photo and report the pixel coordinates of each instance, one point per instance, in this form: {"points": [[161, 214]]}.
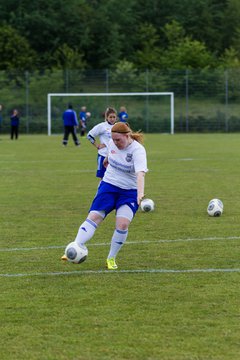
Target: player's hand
{"points": [[105, 162], [140, 198], [101, 146]]}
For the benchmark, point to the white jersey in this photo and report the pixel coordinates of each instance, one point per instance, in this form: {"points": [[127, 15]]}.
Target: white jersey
{"points": [[124, 164], [103, 131]]}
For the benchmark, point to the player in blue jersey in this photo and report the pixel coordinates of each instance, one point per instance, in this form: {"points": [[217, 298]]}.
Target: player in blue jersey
{"points": [[83, 116], [103, 132], [121, 189], [70, 124], [123, 115], [14, 124]]}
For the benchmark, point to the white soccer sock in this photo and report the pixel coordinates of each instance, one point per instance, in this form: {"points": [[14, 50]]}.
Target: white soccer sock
{"points": [[118, 239], [86, 231]]}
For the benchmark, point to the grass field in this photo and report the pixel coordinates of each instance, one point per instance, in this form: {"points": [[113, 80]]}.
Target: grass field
{"points": [[176, 293]]}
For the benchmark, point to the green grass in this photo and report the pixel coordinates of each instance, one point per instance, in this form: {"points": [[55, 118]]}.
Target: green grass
{"points": [[176, 293]]}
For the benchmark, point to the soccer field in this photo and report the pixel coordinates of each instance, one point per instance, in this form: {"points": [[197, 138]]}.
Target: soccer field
{"points": [[176, 293]]}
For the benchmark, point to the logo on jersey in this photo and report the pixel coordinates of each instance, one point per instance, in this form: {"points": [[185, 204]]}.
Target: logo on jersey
{"points": [[113, 152], [129, 157]]}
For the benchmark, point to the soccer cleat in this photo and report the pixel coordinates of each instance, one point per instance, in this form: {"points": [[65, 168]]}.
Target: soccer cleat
{"points": [[64, 258], [110, 264]]}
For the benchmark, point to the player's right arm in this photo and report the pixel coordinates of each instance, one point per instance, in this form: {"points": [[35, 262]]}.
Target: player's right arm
{"points": [[105, 162], [93, 141], [92, 134]]}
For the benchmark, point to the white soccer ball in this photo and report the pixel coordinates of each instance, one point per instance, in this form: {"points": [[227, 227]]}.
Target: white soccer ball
{"points": [[215, 207], [88, 114], [147, 205], [76, 253]]}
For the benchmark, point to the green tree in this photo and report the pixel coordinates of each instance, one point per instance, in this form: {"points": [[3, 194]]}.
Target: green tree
{"points": [[15, 50], [230, 59], [183, 52], [230, 28], [149, 53], [236, 40], [203, 20], [113, 30], [128, 76], [174, 33], [104, 32], [48, 24], [124, 73], [67, 58]]}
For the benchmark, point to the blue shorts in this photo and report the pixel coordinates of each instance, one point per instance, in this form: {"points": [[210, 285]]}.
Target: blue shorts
{"points": [[110, 197], [101, 168]]}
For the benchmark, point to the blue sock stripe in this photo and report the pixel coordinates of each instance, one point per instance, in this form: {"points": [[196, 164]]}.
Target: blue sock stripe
{"points": [[91, 223], [122, 231]]}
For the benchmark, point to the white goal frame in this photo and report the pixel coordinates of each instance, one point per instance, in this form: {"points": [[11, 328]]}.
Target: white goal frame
{"points": [[171, 94]]}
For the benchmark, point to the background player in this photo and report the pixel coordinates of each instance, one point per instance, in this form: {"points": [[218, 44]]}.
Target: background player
{"points": [[123, 115], [15, 120], [83, 116], [103, 132], [70, 124]]}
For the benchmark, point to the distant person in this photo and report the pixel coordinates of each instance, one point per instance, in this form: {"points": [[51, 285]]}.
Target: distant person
{"points": [[103, 132], [70, 125], [123, 115], [83, 116], [14, 118]]}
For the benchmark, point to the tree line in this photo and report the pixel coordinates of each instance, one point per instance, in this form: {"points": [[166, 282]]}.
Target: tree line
{"points": [[113, 34]]}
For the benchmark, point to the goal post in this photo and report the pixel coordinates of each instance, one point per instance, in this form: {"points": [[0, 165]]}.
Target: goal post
{"points": [[106, 95]]}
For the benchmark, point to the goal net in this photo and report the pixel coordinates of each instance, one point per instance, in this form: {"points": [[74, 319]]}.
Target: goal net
{"points": [[148, 111]]}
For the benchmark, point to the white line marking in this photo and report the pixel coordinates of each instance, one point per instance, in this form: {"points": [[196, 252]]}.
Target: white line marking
{"points": [[186, 159], [127, 243], [136, 271]]}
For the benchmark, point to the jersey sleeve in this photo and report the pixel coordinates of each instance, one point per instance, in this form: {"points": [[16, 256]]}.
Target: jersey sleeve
{"points": [[140, 160], [96, 130], [75, 118]]}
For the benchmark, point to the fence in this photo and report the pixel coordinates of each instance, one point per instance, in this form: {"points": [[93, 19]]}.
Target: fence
{"points": [[204, 100]]}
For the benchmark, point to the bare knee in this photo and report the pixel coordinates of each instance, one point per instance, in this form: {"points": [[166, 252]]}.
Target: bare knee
{"points": [[122, 223], [96, 216]]}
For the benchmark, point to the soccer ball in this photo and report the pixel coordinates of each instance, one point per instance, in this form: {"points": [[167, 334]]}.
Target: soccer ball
{"points": [[75, 253], [88, 114], [215, 207], [147, 205]]}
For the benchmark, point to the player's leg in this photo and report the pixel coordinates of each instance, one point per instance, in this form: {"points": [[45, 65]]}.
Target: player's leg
{"points": [[66, 135], [83, 129], [74, 136], [102, 204], [12, 132], [124, 216], [89, 226]]}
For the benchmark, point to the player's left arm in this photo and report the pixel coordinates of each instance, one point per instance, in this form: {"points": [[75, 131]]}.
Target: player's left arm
{"points": [[140, 164], [140, 186]]}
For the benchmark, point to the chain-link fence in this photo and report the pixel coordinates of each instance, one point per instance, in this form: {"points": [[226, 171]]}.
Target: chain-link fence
{"points": [[204, 100]]}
